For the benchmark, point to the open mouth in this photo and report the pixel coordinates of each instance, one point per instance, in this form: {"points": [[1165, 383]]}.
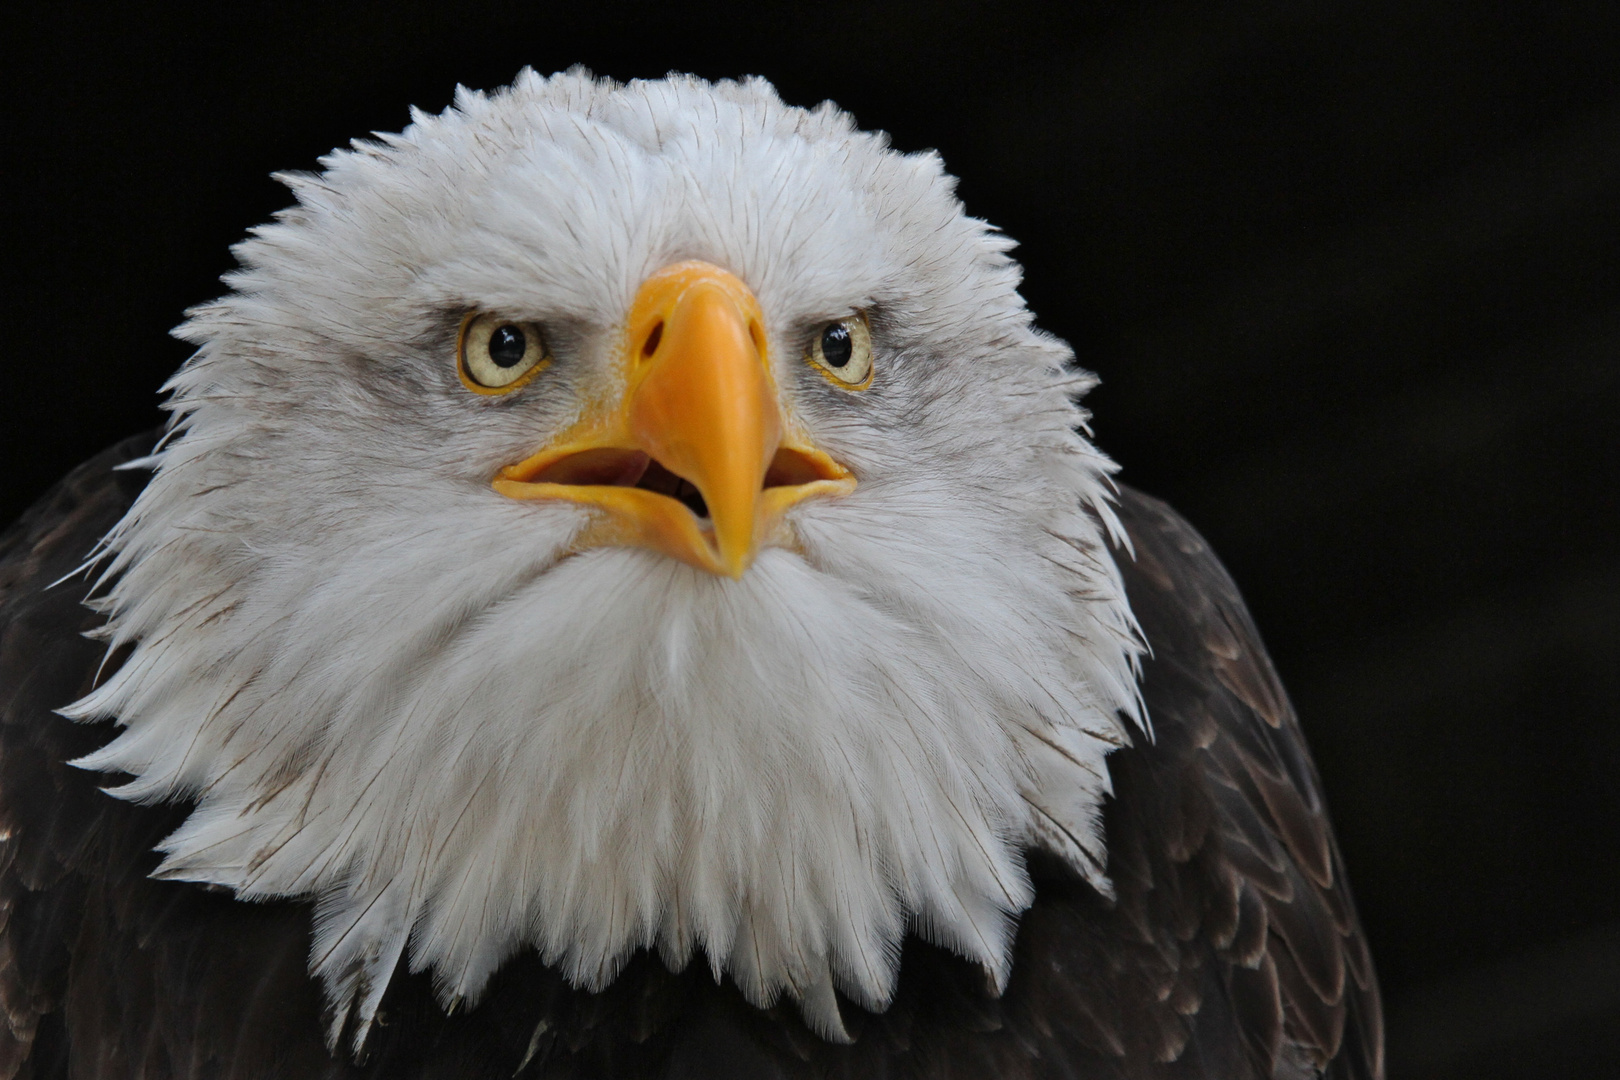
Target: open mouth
{"points": [[613, 467]]}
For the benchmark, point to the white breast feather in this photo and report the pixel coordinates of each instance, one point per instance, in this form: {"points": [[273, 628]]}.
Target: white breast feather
{"points": [[385, 687]]}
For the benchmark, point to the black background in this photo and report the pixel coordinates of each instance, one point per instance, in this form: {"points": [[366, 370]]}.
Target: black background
{"points": [[1350, 273]]}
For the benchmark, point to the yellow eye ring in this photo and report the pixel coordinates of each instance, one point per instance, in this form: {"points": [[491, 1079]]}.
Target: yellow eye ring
{"points": [[496, 355], [842, 352]]}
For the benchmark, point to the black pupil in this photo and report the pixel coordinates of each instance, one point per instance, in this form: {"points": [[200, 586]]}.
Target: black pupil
{"points": [[836, 348], [507, 346]]}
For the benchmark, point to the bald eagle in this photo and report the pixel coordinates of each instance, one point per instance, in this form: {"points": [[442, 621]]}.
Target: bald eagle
{"points": [[626, 591]]}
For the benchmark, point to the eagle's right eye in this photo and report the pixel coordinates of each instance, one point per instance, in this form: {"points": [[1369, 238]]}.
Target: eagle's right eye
{"points": [[495, 355], [842, 351]]}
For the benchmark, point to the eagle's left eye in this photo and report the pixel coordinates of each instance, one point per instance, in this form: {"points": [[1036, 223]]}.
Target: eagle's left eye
{"points": [[842, 351], [495, 355]]}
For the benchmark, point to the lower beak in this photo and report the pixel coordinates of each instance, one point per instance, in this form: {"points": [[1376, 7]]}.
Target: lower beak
{"points": [[692, 457]]}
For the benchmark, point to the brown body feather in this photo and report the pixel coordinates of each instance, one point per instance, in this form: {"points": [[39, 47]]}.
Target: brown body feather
{"points": [[1232, 949]]}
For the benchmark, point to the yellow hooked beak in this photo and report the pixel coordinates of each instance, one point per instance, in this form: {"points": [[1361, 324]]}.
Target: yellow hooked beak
{"points": [[692, 456]]}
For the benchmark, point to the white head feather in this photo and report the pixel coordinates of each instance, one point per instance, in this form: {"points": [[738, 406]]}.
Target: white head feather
{"points": [[391, 689]]}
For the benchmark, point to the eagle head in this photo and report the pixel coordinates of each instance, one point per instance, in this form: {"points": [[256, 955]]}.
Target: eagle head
{"points": [[610, 517]]}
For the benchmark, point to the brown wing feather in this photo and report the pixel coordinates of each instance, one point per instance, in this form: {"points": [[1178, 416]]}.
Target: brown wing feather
{"points": [[100, 966], [1297, 954], [1231, 951]]}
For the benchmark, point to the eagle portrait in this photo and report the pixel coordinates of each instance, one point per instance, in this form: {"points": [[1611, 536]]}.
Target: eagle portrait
{"points": [[627, 591]]}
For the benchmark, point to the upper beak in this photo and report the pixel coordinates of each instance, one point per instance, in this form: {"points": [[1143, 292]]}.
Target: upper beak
{"points": [[696, 403]]}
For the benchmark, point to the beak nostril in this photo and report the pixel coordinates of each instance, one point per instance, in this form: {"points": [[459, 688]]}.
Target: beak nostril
{"points": [[656, 335], [757, 333]]}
